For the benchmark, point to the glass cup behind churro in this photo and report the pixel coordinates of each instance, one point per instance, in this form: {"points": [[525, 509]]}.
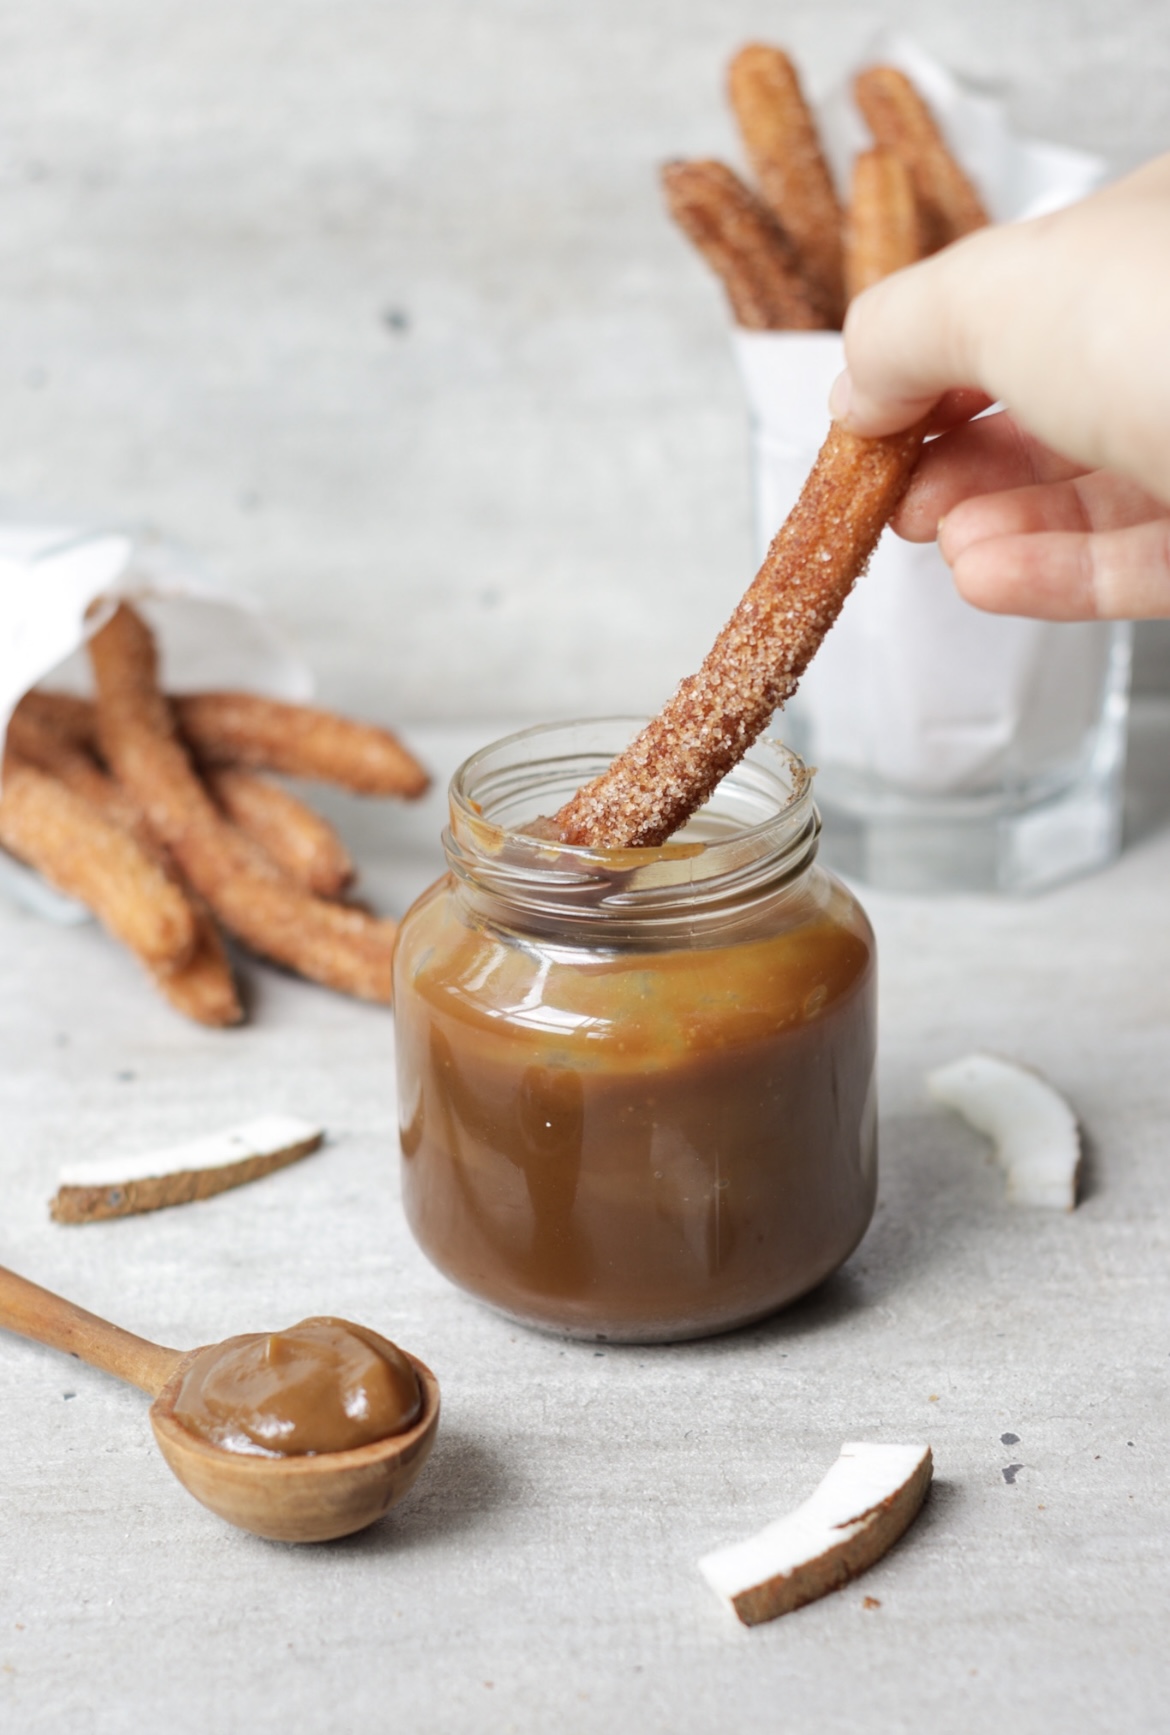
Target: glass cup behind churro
{"points": [[636, 1087]]}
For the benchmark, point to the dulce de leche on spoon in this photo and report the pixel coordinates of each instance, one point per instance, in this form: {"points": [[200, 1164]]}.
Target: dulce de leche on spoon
{"points": [[299, 1436]]}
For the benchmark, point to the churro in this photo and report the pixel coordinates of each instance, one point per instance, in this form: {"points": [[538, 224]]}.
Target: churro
{"points": [[44, 736], [714, 716], [260, 734], [901, 122], [745, 247], [89, 857], [65, 714], [341, 947], [202, 987], [882, 231], [299, 841], [784, 149], [298, 740]]}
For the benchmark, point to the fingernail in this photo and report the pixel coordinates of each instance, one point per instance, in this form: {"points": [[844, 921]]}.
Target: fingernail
{"points": [[841, 397]]}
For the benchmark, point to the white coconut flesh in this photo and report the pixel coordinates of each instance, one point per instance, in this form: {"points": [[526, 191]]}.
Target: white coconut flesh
{"points": [[1034, 1131], [865, 1502]]}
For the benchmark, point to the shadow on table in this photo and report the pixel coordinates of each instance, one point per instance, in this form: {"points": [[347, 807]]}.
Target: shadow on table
{"points": [[938, 1189], [937, 1185], [938, 1510], [461, 1484]]}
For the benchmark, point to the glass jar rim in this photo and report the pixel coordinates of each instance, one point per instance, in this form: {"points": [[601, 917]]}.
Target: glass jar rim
{"points": [[758, 831]]}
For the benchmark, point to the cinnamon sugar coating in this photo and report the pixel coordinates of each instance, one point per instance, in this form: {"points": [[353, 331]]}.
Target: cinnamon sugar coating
{"points": [[883, 231], [674, 765], [89, 857], [54, 732], [333, 944], [900, 120], [265, 734], [304, 846], [745, 247], [784, 149]]}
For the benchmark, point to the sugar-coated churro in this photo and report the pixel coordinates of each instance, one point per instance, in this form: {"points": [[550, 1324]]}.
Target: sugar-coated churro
{"points": [[205, 988], [745, 247], [784, 149], [341, 947], [262, 734], [202, 986], [900, 121], [88, 857], [298, 740], [300, 842], [714, 716], [39, 734], [68, 716], [883, 229]]}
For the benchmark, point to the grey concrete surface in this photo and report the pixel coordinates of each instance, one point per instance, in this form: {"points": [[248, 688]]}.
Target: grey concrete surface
{"points": [[542, 1576], [375, 305]]}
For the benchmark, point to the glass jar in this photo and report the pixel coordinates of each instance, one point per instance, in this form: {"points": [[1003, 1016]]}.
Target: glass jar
{"points": [[636, 1087]]}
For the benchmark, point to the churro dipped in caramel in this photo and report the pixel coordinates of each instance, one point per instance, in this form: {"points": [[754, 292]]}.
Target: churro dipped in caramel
{"points": [[882, 228], [672, 767], [784, 150], [901, 122], [744, 246]]}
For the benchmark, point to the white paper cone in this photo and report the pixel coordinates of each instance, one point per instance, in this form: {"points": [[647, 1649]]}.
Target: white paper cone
{"points": [[51, 575]]}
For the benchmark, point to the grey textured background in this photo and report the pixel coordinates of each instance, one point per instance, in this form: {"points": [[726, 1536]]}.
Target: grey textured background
{"points": [[374, 305]]}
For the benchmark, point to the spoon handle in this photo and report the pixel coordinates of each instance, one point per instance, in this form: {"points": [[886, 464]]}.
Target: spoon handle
{"points": [[34, 1312]]}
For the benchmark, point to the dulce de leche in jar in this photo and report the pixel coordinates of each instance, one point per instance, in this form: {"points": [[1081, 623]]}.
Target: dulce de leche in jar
{"points": [[636, 1087]]}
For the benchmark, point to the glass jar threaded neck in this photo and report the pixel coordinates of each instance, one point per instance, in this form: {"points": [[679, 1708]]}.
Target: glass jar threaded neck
{"points": [[754, 841]]}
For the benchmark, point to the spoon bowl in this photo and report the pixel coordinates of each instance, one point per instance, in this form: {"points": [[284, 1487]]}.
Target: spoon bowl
{"points": [[297, 1499], [313, 1497]]}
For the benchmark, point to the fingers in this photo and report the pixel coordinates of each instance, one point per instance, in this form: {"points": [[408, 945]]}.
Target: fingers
{"points": [[908, 340], [1069, 576], [980, 458], [1062, 317], [956, 407], [1066, 546], [1097, 503]]}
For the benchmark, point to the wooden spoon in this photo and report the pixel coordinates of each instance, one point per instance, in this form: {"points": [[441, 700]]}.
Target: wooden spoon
{"points": [[294, 1499]]}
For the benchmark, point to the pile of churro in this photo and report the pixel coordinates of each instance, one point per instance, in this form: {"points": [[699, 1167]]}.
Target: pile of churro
{"points": [[156, 814], [789, 258]]}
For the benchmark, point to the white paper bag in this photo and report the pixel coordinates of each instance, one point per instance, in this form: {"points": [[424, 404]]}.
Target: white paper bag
{"points": [[52, 575]]}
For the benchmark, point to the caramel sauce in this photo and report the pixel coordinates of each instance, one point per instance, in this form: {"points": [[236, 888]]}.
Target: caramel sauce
{"points": [[321, 1386], [637, 1144]]}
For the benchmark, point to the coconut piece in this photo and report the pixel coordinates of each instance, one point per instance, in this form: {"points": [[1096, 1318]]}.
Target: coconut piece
{"points": [[867, 1499], [1034, 1130], [123, 1186]]}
